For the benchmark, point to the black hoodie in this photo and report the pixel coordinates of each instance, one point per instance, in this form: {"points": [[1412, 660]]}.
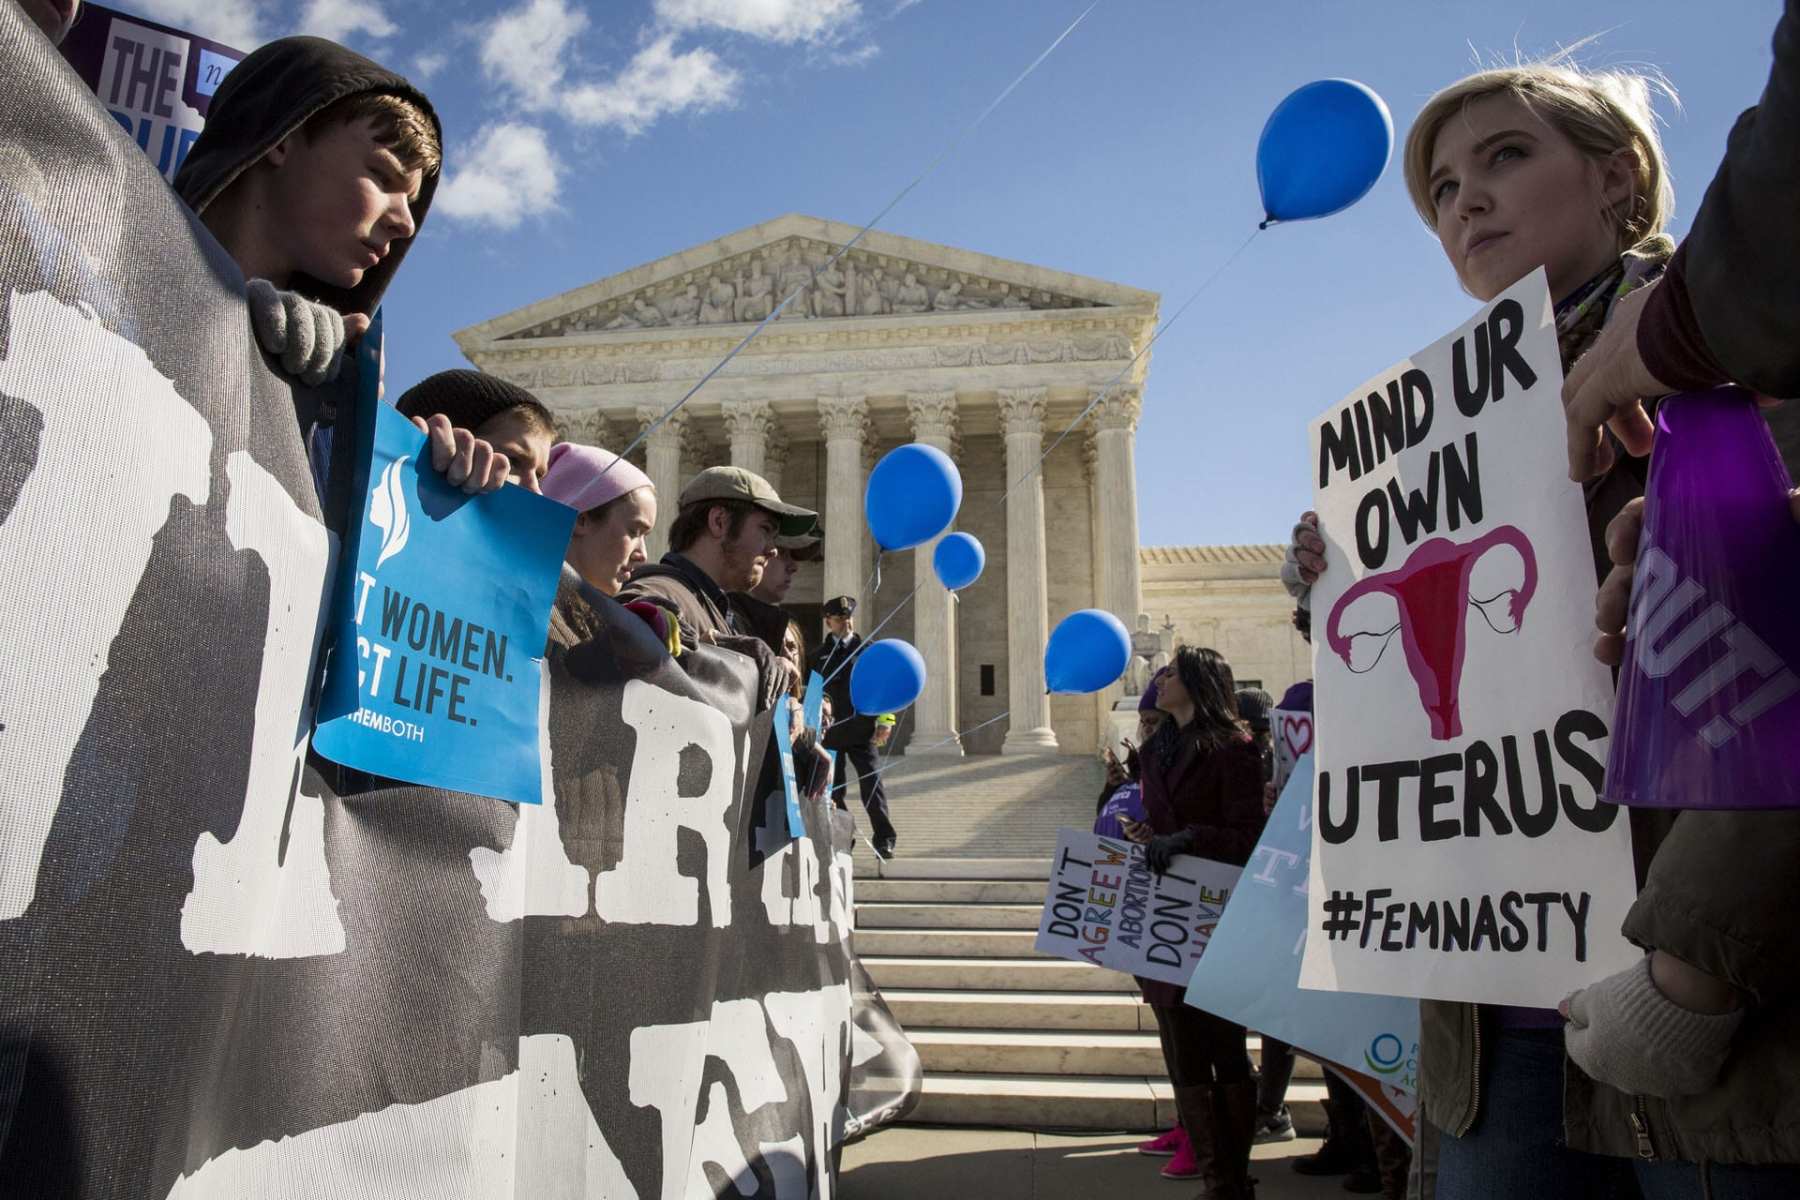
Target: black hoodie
{"points": [[270, 95]]}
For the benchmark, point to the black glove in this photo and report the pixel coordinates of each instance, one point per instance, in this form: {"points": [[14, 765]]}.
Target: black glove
{"points": [[1165, 846]]}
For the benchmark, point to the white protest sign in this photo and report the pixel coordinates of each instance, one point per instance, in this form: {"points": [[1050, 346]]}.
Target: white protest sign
{"points": [[1292, 733], [1106, 907], [1460, 847]]}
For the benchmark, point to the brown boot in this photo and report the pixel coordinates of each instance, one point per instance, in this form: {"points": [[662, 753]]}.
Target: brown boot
{"points": [[1195, 1106], [1221, 1123], [1237, 1108], [1393, 1157]]}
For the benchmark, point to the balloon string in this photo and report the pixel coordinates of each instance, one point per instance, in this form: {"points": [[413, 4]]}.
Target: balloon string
{"points": [[945, 742], [880, 625], [930, 167], [1106, 391]]}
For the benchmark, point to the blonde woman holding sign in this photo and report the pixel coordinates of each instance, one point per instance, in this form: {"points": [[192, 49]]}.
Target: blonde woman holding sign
{"points": [[1552, 166]]}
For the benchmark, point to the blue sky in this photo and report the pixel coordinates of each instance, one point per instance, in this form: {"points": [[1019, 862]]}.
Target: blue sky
{"points": [[585, 138]]}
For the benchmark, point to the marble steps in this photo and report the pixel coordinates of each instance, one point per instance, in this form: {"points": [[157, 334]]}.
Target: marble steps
{"points": [[1007, 1036], [993, 974], [1035, 868], [947, 943], [950, 916], [946, 1008], [1058, 1052], [1037, 1052], [939, 893], [985, 805], [1077, 1102]]}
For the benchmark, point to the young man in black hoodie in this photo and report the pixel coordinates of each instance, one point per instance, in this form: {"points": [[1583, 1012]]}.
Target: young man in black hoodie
{"points": [[315, 170]]}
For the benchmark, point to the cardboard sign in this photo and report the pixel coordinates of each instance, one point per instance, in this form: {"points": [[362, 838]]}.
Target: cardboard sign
{"points": [[1106, 907], [784, 742], [155, 81], [436, 676], [1251, 972], [813, 701], [1461, 849], [1292, 733]]}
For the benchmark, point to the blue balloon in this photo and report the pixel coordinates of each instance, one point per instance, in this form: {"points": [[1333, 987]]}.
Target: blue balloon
{"points": [[1088, 650], [888, 676], [913, 495], [958, 561], [1322, 149]]}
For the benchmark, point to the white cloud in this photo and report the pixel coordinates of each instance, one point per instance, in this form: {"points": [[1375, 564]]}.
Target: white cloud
{"points": [[528, 51], [657, 82], [523, 49], [428, 65], [338, 19], [508, 175], [237, 23], [770, 20]]}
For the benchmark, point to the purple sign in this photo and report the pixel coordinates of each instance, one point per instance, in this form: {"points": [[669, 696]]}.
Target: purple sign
{"points": [[157, 82], [1709, 695]]}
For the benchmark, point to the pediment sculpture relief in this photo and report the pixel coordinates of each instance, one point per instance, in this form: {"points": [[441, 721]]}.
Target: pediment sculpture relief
{"points": [[747, 288]]}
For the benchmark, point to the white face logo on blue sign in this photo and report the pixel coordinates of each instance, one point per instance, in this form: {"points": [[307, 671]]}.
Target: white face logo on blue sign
{"points": [[388, 511]]}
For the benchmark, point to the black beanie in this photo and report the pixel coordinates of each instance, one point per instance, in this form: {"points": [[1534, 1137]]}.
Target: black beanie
{"points": [[469, 398]]}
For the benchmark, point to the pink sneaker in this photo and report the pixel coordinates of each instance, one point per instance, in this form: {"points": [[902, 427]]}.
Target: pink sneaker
{"points": [[1166, 1145], [1184, 1165]]}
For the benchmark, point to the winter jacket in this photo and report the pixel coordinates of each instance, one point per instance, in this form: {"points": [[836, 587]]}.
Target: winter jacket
{"points": [[700, 606], [834, 662], [1215, 793], [1729, 305], [1742, 271]]}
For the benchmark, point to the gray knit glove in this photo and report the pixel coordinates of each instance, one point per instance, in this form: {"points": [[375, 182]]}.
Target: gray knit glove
{"points": [[1624, 1032], [1296, 586], [306, 336]]}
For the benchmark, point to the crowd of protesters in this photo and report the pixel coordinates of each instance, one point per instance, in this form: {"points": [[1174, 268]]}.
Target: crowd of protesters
{"points": [[315, 170], [1679, 1077]]}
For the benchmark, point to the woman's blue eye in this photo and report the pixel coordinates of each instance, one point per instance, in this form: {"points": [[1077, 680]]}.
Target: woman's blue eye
{"points": [[1504, 151], [1437, 195]]}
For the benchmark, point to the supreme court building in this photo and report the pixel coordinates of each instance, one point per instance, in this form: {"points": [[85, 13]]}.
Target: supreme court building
{"points": [[900, 340]]}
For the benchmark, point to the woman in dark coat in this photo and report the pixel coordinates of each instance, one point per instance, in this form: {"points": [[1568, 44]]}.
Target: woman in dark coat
{"points": [[1202, 778]]}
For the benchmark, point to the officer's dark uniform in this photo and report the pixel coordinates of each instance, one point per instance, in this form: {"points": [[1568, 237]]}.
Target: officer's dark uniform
{"points": [[852, 735]]}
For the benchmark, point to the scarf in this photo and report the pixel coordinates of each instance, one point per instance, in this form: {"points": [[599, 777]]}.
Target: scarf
{"points": [[1582, 314]]}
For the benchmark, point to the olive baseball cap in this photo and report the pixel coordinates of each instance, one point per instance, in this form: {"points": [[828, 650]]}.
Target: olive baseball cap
{"points": [[735, 483], [802, 547]]}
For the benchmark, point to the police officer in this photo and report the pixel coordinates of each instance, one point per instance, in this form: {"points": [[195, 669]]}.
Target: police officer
{"points": [[855, 737]]}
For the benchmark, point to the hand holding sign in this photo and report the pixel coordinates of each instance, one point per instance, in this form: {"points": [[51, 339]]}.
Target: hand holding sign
{"points": [[1105, 906], [464, 460], [439, 625]]}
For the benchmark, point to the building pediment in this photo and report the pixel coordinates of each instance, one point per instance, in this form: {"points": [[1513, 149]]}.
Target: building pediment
{"points": [[738, 279]]}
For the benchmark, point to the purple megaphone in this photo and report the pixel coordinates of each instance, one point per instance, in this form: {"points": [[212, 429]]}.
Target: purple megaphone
{"points": [[1709, 692]]}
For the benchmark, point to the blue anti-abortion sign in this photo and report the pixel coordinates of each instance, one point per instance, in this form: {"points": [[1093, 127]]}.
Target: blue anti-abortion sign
{"points": [[436, 671], [1250, 974]]}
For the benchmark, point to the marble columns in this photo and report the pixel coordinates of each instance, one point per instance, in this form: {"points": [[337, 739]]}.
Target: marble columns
{"points": [[748, 423], [844, 420], [775, 456], [1116, 570], [1027, 581], [662, 462], [933, 417]]}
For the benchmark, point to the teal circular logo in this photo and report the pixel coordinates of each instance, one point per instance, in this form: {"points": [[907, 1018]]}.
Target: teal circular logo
{"points": [[1385, 1054]]}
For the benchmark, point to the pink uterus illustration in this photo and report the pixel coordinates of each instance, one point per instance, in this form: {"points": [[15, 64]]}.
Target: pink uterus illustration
{"points": [[1431, 590]]}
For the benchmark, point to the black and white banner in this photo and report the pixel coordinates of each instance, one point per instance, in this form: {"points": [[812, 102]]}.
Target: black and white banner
{"points": [[218, 977]]}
